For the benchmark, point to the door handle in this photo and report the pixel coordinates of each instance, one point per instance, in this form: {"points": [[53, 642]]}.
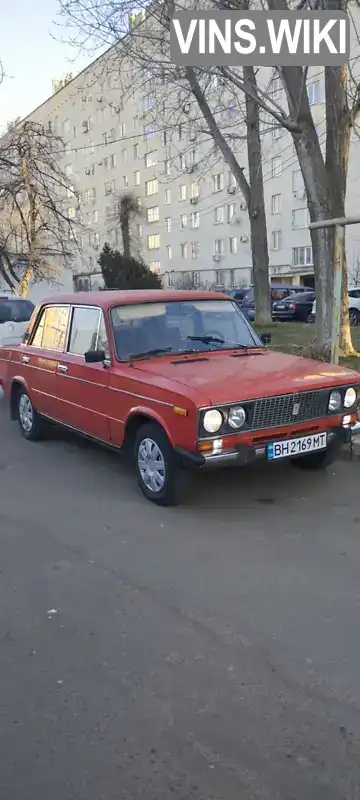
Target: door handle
{"points": [[62, 368], [25, 359]]}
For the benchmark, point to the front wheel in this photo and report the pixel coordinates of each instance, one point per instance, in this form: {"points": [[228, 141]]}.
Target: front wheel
{"points": [[30, 422], [160, 476]]}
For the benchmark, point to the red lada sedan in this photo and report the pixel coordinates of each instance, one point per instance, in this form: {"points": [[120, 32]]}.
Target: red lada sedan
{"points": [[178, 379]]}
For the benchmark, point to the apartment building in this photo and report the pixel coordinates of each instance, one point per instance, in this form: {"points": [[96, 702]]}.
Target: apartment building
{"points": [[194, 218]]}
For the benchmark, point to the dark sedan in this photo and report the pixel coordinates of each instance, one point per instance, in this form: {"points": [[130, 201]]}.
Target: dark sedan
{"points": [[295, 308]]}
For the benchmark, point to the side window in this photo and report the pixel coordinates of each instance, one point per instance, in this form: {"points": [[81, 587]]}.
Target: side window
{"points": [[87, 331], [52, 327], [355, 293]]}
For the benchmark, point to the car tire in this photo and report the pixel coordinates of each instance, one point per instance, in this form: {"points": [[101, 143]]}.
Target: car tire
{"points": [[354, 316], [30, 423], [160, 475]]}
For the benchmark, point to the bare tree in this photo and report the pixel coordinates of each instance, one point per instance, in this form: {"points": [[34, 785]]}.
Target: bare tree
{"points": [[354, 270], [141, 59], [38, 208]]}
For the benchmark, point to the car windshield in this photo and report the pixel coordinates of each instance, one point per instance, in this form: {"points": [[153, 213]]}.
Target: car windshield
{"points": [[178, 327], [13, 310]]}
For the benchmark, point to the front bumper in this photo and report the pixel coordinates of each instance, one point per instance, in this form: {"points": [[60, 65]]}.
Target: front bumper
{"points": [[243, 454]]}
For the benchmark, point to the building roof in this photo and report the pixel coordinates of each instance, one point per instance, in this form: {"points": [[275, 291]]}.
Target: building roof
{"points": [[106, 299]]}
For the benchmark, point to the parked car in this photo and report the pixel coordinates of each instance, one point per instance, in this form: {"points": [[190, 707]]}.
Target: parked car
{"points": [[295, 308], [179, 380], [354, 306], [278, 293], [15, 313]]}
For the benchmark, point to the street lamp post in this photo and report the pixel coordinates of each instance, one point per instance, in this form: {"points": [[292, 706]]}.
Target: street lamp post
{"points": [[339, 223]]}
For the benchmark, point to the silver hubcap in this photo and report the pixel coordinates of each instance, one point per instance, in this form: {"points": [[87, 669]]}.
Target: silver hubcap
{"points": [[151, 465], [26, 413]]}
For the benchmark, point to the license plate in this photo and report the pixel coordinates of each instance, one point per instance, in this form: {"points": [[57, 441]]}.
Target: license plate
{"points": [[280, 308], [296, 447]]}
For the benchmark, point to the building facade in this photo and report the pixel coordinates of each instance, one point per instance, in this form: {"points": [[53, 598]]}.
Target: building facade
{"points": [[194, 222]]}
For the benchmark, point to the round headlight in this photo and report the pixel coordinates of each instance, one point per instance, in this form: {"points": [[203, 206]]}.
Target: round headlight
{"points": [[212, 420], [236, 417], [350, 398], [335, 401]]}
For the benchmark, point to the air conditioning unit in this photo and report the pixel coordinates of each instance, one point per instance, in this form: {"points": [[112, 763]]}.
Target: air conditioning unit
{"points": [[216, 257], [100, 162], [87, 171], [192, 137], [237, 220], [243, 207], [244, 238], [99, 99], [191, 168], [85, 127], [231, 189], [300, 194], [186, 108], [193, 200]]}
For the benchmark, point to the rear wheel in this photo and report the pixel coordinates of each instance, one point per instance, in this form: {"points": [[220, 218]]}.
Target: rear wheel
{"points": [[354, 316], [160, 476], [30, 422]]}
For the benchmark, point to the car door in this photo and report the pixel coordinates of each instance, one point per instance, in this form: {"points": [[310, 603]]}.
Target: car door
{"points": [[83, 388], [40, 356]]}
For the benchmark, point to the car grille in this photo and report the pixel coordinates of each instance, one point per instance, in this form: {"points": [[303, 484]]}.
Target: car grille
{"points": [[271, 412]]}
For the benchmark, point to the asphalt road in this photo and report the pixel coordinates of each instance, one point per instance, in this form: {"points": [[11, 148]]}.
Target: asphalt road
{"points": [[208, 652]]}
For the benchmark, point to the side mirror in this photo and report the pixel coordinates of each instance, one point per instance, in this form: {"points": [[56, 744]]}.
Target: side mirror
{"points": [[95, 356], [265, 338]]}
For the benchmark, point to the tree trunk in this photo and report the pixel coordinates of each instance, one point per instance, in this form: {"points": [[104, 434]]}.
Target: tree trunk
{"points": [[253, 193], [125, 231], [338, 132], [257, 215]]}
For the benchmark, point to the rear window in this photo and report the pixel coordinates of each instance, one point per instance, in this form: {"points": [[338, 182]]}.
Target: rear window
{"points": [[15, 310]]}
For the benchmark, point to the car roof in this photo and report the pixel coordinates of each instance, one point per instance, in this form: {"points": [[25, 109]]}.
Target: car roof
{"points": [[107, 299]]}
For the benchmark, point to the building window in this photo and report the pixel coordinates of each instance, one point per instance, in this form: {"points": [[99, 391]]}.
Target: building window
{"points": [[137, 178], [182, 161], [220, 277], [151, 159], [71, 213], [233, 245], [149, 131], [153, 214], [196, 279], [153, 241], [110, 187], [155, 266], [300, 218], [314, 92], [219, 215], [297, 181], [167, 197], [276, 240], [169, 251], [183, 221], [231, 180], [302, 256], [276, 204], [277, 132], [182, 191], [276, 166], [126, 181], [168, 224], [218, 182], [136, 150], [195, 219], [151, 187], [68, 170], [195, 249], [194, 189], [181, 131], [231, 211], [122, 128], [275, 88], [183, 250], [218, 247]]}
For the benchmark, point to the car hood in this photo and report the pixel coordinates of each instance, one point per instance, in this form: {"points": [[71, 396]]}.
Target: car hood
{"points": [[228, 377]]}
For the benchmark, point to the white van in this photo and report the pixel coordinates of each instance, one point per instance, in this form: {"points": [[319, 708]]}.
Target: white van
{"points": [[15, 313]]}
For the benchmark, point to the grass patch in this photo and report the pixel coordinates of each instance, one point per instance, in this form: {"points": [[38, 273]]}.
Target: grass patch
{"points": [[297, 338]]}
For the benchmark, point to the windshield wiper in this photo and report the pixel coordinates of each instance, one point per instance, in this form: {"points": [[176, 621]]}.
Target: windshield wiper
{"points": [[216, 340], [156, 351]]}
